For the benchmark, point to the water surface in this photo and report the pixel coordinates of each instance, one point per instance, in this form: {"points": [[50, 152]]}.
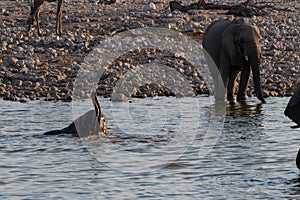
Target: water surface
{"points": [[153, 152]]}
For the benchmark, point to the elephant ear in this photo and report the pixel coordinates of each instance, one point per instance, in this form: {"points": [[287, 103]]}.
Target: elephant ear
{"points": [[229, 44], [257, 32], [237, 41]]}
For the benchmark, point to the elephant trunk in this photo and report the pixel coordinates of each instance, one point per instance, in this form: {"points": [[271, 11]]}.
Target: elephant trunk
{"points": [[253, 55]]}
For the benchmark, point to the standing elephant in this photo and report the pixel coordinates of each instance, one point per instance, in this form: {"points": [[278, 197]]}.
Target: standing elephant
{"points": [[298, 159], [292, 109], [234, 47]]}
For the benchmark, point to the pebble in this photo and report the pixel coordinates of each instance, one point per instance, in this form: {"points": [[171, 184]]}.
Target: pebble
{"points": [[117, 97]]}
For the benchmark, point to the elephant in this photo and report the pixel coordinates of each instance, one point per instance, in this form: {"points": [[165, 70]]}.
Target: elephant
{"points": [[234, 47], [298, 160], [292, 109], [91, 123]]}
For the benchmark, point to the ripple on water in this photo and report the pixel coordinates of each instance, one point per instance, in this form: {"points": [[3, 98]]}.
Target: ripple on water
{"points": [[254, 156]]}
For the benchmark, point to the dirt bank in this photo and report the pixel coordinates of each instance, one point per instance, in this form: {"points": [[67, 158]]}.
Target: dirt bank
{"points": [[46, 67]]}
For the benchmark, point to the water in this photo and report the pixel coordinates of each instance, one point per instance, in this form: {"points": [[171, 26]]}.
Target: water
{"points": [[154, 151]]}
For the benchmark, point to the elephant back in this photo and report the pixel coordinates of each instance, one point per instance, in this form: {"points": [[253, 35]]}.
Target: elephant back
{"points": [[212, 38], [292, 109]]}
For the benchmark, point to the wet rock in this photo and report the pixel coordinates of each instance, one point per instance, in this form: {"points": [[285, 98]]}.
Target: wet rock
{"points": [[65, 97], [3, 46], [117, 97], [150, 6], [13, 61], [17, 83]]}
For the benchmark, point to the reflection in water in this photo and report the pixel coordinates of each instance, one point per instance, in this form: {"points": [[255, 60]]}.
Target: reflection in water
{"points": [[295, 190], [243, 108], [253, 158], [244, 120]]}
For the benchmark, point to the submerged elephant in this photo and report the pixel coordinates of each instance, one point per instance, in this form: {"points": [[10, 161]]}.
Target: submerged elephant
{"points": [[91, 123], [234, 47], [292, 109]]}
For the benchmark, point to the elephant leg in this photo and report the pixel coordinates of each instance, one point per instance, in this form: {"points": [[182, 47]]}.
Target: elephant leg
{"points": [[231, 84], [224, 70], [219, 91], [244, 81]]}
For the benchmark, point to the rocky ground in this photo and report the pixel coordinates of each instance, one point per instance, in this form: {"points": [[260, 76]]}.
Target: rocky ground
{"points": [[33, 67]]}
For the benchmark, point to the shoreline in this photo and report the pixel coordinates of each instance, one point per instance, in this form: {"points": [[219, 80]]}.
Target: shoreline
{"points": [[34, 67]]}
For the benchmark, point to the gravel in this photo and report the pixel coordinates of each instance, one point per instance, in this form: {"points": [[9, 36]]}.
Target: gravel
{"points": [[33, 67]]}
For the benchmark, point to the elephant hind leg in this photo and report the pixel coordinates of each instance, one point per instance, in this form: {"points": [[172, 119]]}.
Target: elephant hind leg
{"points": [[231, 88]]}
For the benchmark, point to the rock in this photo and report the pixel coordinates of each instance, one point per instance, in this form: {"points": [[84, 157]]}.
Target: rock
{"points": [[24, 70], [27, 84], [13, 61], [149, 7], [117, 97], [17, 83], [66, 98], [43, 63], [3, 46], [37, 85]]}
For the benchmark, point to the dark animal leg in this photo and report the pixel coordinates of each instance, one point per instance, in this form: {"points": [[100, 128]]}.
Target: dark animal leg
{"points": [[96, 106], [58, 18], [35, 9], [244, 81], [38, 23], [224, 70], [34, 14], [231, 84], [99, 115]]}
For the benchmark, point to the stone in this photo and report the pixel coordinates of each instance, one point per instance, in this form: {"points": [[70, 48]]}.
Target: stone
{"points": [[13, 61], [17, 83], [24, 70], [117, 97], [149, 7]]}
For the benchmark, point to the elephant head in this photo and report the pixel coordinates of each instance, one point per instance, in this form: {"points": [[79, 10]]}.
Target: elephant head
{"points": [[246, 50]]}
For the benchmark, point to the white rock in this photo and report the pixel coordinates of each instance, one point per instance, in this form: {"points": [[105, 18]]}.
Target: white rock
{"points": [[117, 97], [149, 7]]}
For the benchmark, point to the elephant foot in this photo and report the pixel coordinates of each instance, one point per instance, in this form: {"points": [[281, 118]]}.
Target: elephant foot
{"points": [[261, 99], [230, 97], [241, 98]]}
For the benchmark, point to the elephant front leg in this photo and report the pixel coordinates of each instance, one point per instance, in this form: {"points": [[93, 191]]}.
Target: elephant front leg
{"points": [[244, 81]]}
